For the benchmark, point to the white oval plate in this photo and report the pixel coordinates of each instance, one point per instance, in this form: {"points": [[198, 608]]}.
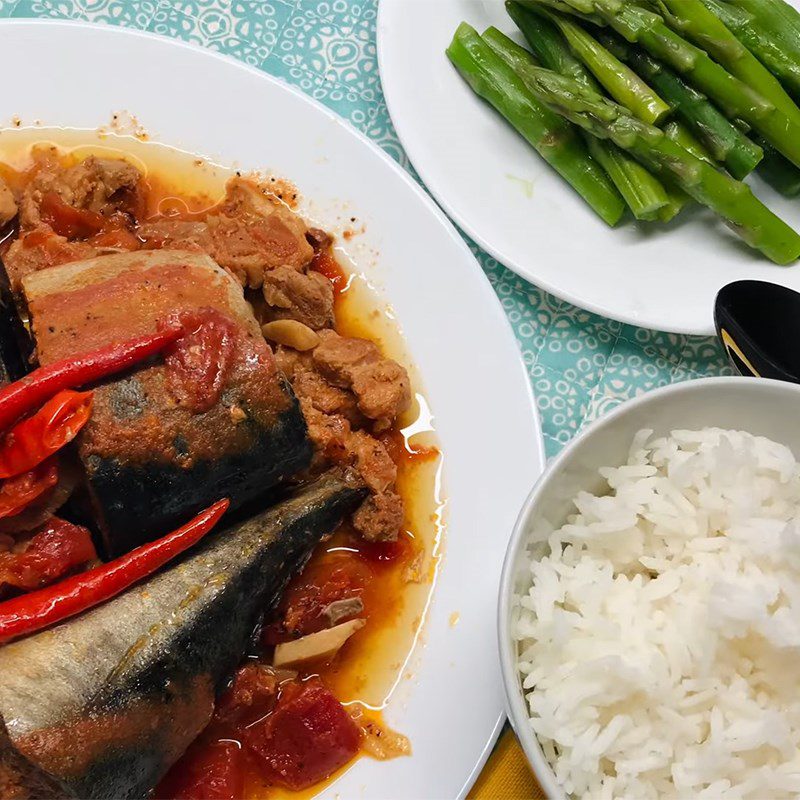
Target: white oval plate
{"points": [[498, 190], [452, 323]]}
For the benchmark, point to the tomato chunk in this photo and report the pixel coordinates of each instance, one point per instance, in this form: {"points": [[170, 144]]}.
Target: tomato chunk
{"points": [[55, 549], [73, 223], [327, 265], [212, 771], [302, 610], [19, 492], [306, 739], [251, 695], [199, 362]]}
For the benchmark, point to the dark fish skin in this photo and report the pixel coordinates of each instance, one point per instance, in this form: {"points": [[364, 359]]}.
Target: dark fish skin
{"points": [[105, 703], [168, 492]]}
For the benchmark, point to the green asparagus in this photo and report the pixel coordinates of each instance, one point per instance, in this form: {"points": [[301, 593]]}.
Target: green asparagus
{"points": [[725, 141], [643, 193], [621, 82], [681, 134], [729, 198], [548, 44], [736, 98], [555, 140], [705, 29], [775, 16], [782, 176], [782, 60]]}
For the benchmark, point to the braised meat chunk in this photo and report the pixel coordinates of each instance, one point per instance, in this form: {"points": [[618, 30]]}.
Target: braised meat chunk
{"points": [[253, 231], [306, 297], [175, 234], [346, 386], [381, 385], [372, 460], [40, 249], [98, 185], [8, 205], [379, 517]]}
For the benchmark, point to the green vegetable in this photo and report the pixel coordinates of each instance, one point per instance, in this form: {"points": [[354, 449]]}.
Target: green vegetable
{"points": [[733, 96], [781, 58], [726, 143], [643, 193], [705, 29], [782, 176], [776, 17], [621, 82], [729, 198], [554, 139], [680, 134]]}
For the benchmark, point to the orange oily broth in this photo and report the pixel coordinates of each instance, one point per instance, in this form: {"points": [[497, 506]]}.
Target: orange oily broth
{"points": [[377, 657]]}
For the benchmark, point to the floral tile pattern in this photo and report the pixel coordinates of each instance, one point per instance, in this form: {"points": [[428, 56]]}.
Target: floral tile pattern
{"points": [[580, 365]]}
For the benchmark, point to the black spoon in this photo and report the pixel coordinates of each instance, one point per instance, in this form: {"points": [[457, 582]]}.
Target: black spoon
{"points": [[759, 326]]}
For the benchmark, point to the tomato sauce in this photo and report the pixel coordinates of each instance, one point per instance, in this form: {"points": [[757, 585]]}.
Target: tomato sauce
{"points": [[256, 756]]}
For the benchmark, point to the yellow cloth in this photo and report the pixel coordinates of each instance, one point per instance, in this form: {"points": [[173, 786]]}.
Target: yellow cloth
{"points": [[506, 775]]}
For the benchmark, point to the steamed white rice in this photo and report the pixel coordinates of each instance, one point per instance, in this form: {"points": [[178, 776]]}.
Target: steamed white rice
{"points": [[660, 640]]}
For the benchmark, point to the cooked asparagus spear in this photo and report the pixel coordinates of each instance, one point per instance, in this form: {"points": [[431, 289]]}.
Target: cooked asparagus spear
{"points": [[681, 134], [705, 29], [727, 144], [736, 98], [554, 139], [644, 193], [782, 176], [621, 82], [548, 44], [729, 198], [782, 60], [775, 16]]}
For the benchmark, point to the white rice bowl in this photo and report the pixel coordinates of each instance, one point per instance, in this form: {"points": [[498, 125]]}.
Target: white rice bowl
{"points": [[659, 641]]}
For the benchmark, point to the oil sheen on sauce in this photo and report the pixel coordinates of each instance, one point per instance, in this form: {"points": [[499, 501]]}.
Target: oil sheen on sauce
{"points": [[380, 656]]}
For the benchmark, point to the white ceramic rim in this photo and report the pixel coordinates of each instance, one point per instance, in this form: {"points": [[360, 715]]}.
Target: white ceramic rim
{"points": [[515, 700]]}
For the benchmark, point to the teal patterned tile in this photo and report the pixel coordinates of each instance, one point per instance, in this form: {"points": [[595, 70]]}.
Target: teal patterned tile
{"points": [[629, 372], [53, 9], [7, 8], [129, 13], [530, 311], [669, 346], [168, 21], [345, 56], [382, 132], [563, 404], [705, 356], [578, 345]]}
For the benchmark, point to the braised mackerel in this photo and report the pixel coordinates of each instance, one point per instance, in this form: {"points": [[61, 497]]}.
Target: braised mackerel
{"points": [[105, 703], [151, 461]]}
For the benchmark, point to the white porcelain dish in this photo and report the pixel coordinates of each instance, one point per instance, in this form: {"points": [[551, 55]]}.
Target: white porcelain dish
{"points": [[451, 706], [761, 407], [501, 193]]}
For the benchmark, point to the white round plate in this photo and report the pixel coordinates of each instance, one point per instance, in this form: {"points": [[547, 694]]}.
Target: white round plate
{"points": [[453, 325], [498, 190]]}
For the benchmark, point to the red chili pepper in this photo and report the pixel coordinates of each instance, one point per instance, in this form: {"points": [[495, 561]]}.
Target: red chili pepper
{"points": [[28, 393], [31, 612], [36, 438], [20, 491]]}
